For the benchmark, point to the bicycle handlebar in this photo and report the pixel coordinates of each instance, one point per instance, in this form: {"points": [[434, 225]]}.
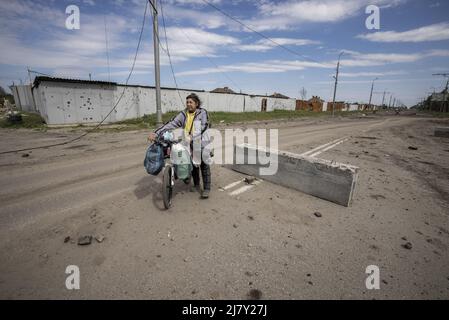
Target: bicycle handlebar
{"points": [[161, 140]]}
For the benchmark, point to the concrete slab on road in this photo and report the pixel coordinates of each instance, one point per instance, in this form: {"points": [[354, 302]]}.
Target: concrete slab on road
{"points": [[318, 177]]}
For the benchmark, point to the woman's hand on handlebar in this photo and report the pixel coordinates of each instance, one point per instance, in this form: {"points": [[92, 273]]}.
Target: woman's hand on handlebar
{"points": [[152, 137]]}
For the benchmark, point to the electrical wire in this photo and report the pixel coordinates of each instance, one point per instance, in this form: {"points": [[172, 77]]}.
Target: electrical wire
{"points": [[168, 53], [214, 64], [112, 110], [259, 33]]}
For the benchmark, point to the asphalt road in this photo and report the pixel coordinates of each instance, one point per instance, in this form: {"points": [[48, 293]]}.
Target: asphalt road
{"points": [[262, 236]]}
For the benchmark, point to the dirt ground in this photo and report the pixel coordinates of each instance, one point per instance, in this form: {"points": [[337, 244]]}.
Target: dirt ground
{"points": [[267, 238]]}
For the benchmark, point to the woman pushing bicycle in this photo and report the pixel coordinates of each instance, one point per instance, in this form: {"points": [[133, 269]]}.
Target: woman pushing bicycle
{"points": [[195, 122]]}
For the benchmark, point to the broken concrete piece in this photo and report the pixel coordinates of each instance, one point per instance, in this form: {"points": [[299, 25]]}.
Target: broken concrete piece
{"points": [[318, 177], [442, 132], [100, 238], [407, 246], [249, 180], [84, 240]]}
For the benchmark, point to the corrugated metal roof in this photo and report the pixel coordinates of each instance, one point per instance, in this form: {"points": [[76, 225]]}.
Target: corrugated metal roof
{"points": [[40, 79]]}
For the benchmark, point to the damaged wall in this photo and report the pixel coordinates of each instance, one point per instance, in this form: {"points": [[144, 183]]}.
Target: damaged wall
{"points": [[65, 102], [23, 97]]}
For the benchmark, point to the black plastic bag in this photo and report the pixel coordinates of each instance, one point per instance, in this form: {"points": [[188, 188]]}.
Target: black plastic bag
{"points": [[154, 159]]}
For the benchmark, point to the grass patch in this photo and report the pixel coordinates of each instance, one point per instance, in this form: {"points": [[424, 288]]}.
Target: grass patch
{"points": [[229, 117], [435, 114], [29, 121], [149, 121]]}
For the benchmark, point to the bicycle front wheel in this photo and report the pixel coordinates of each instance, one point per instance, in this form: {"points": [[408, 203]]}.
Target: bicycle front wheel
{"points": [[167, 187]]}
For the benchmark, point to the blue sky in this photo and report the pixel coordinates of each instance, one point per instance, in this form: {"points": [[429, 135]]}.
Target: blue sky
{"points": [[209, 50]]}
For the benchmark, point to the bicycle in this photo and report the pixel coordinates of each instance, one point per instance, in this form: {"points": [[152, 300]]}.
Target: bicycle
{"points": [[169, 175]]}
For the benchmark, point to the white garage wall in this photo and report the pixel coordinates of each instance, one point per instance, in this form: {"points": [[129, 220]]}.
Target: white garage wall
{"points": [[23, 98], [353, 107], [72, 103]]}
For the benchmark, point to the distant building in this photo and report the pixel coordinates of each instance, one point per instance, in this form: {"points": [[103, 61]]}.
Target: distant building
{"points": [[314, 104], [223, 90], [279, 96], [339, 106]]}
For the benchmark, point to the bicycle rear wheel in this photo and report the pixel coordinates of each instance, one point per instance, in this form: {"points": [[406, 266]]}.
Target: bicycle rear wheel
{"points": [[167, 187]]}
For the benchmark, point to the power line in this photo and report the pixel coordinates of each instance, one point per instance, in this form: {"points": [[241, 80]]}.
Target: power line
{"points": [[259, 33], [212, 62], [112, 110], [168, 54], [36, 72]]}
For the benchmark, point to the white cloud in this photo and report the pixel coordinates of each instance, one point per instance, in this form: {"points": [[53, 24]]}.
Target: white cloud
{"points": [[270, 66], [272, 15], [285, 15], [265, 45], [197, 2], [357, 60], [51, 46], [205, 19], [435, 32], [370, 74], [22, 16], [187, 43], [89, 2], [377, 59]]}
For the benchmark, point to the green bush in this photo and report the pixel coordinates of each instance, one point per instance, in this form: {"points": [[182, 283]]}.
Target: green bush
{"points": [[29, 120]]}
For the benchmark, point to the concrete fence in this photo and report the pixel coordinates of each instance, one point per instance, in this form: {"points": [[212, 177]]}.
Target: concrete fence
{"points": [[62, 101], [70, 101]]}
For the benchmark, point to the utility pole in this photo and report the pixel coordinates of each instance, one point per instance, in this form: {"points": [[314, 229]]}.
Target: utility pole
{"points": [[157, 70], [336, 82], [394, 102], [389, 103], [383, 99], [371, 94], [446, 75]]}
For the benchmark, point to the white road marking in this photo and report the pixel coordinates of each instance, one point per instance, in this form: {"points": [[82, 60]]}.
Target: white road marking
{"points": [[244, 188], [328, 148], [320, 147], [232, 185]]}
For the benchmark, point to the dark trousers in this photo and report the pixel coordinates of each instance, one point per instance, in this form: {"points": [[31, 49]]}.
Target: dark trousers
{"points": [[205, 173]]}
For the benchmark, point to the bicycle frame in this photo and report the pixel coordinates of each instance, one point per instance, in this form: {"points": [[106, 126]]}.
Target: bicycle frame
{"points": [[168, 178]]}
